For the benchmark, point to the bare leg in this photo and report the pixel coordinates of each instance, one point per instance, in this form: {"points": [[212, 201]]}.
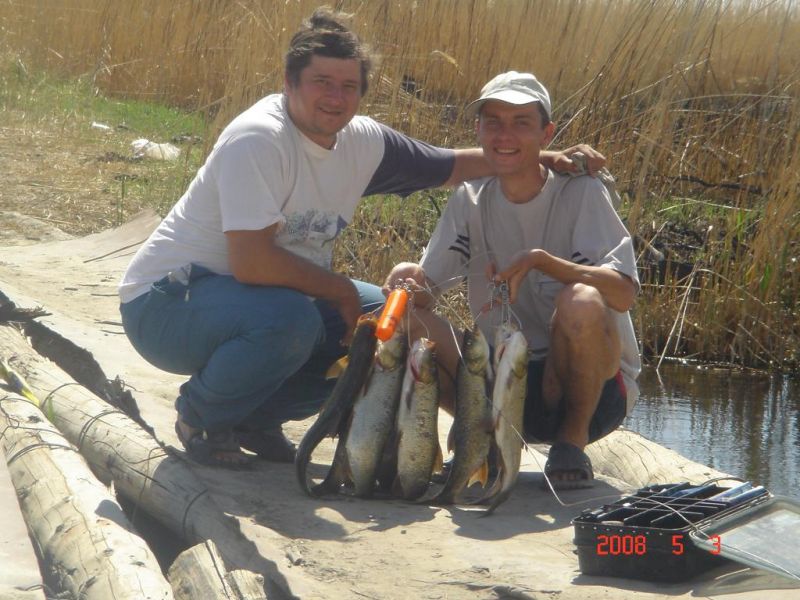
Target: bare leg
{"points": [[585, 351]]}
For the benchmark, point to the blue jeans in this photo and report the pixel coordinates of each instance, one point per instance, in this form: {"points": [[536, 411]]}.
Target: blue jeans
{"points": [[257, 355]]}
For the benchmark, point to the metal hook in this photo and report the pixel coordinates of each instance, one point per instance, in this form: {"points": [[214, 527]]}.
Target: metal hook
{"points": [[505, 299]]}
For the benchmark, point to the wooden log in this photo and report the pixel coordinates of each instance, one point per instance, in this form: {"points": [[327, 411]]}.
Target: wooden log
{"points": [[633, 458], [20, 577], [246, 584], [199, 573], [161, 484], [86, 544]]}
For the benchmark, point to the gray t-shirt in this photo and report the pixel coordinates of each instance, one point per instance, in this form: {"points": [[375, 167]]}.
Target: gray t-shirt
{"points": [[571, 218]]}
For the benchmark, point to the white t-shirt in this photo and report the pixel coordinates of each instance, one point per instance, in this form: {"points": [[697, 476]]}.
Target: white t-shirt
{"points": [[571, 218], [263, 171]]}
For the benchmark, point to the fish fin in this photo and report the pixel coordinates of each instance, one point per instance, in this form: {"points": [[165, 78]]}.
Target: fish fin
{"points": [[481, 475], [494, 489], [337, 368]]}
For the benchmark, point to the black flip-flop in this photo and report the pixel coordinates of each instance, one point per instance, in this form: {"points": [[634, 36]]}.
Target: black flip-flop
{"points": [[204, 448], [568, 458]]}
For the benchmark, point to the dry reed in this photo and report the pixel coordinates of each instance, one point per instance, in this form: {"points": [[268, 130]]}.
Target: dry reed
{"points": [[688, 99]]}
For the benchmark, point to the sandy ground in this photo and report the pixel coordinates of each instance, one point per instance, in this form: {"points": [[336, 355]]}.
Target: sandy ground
{"points": [[349, 548]]}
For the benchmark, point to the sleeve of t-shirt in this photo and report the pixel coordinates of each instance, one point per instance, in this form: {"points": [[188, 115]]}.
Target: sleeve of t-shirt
{"points": [[247, 170], [409, 165], [599, 237], [447, 255]]}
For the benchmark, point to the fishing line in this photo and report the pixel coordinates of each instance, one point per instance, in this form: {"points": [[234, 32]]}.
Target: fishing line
{"points": [[429, 290], [505, 316], [692, 525], [412, 312], [704, 535], [657, 503]]}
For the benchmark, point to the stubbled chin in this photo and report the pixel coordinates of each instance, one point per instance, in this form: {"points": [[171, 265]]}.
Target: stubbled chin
{"points": [[505, 159], [331, 116]]}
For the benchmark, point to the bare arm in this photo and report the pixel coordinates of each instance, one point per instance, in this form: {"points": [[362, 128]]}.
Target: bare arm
{"points": [[617, 289], [256, 259], [470, 164]]}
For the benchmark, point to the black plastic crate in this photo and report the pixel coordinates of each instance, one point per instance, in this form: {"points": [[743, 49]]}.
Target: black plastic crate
{"points": [[646, 535]]}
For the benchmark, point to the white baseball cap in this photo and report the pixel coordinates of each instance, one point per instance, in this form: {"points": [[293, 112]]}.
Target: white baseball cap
{"points": [[514, 88]]}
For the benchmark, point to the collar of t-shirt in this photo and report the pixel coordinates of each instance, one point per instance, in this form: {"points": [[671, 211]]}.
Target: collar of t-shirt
{"points": [[309, 146], [312, 148], [532, 205]]}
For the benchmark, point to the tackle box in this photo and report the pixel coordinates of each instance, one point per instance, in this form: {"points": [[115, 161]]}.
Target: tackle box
{"points": [[663, 532]]}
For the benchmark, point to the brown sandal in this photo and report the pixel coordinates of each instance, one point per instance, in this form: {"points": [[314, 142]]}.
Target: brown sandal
{"points": [[271, 445], [213, 449]]}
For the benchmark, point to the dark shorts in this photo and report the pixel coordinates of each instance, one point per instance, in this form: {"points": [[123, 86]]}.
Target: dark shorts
{"points": [[542, 425]]}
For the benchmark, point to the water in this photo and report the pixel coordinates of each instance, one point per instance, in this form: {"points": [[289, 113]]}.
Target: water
{"points": [[739, 423]]}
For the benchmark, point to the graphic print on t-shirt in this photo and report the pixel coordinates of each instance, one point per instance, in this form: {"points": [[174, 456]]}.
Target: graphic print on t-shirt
{"points": [[311, 234]]}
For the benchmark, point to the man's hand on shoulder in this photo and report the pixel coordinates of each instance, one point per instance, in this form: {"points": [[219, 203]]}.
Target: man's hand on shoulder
{"points": [[562, 161]]}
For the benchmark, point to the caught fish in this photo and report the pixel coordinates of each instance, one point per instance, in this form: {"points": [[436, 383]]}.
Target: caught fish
{"points": [[501, 336], [418, 450], [333, 416], [338, 473], [472, 426], [373, 414], [508, 404]]}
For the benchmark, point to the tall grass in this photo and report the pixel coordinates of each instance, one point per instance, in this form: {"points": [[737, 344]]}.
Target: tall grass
{"points": [[690, 100]]}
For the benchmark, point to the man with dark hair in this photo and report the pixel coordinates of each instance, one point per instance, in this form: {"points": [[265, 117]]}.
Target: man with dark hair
{"points": [[325, 35], [235, 286]]}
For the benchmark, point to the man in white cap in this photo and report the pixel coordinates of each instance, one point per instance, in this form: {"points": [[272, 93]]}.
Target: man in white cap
{"points": [[570, 268]]}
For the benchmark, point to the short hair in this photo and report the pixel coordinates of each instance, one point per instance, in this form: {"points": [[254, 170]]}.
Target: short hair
{"points": [[543, 113], [326, 34]]}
